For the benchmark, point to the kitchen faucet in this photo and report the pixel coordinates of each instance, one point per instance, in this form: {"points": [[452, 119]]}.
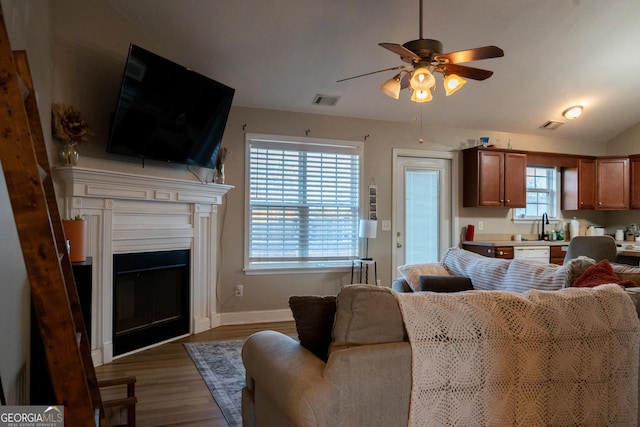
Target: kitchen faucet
{"points": [[545, 220]]}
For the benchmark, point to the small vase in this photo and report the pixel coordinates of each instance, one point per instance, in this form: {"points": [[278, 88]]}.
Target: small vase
{"points": [[75, 232], [69, 154]]}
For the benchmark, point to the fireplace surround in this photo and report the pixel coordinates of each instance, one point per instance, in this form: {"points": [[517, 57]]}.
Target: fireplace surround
{"points": [[150, 298], [130, 213]]}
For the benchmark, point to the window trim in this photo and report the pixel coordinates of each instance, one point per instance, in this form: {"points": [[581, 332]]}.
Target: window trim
{"points": [[283, 141], [557, 200]]}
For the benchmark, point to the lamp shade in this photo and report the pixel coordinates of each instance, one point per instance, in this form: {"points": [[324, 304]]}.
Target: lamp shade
{"points": [[452, 83], [368, 228], [391, 87], [421, 96], [422, 79]]}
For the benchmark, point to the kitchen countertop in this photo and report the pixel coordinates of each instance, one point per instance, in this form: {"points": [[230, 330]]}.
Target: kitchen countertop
{"points": [[629, 248], [625, 247], [515, 243]]}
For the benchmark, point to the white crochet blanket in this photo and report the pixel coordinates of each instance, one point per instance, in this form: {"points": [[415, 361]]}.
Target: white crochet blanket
{"points": [[492, 358]]}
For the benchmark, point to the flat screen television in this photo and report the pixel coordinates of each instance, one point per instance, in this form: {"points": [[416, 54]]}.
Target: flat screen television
{"points": [[167, 112]]}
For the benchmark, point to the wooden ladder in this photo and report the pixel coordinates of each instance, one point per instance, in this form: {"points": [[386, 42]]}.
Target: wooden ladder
{"points": [[55, 300]]}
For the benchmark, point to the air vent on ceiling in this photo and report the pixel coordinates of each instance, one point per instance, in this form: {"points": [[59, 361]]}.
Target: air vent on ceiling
{"points": [[551, 125], [325, 100]]}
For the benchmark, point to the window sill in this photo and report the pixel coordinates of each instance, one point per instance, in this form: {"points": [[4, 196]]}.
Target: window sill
{"points": [[341, 267]]}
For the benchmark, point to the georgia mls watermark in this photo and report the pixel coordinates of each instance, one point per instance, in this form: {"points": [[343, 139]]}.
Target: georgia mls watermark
{"points": [[32, 416]]}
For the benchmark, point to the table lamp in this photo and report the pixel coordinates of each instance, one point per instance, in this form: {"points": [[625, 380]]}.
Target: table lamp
{"points": [[368, 230]]}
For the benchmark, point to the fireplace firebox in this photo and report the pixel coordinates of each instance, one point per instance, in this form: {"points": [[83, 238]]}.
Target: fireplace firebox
{"points": [[150, 298]]}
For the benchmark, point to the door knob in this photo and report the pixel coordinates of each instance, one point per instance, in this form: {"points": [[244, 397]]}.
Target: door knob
{"points": [[398, 245]]}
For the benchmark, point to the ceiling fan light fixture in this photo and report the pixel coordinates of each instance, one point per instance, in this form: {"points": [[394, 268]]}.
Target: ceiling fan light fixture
{"points": [[422, 79], [572, 112], [452, 83], [391, 87], [421, 95]]}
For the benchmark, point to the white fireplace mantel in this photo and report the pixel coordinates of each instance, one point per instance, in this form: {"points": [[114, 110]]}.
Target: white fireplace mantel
{"points": [[129, 213]]}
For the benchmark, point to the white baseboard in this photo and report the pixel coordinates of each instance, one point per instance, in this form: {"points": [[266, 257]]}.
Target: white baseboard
{"points": [[243, 317]]}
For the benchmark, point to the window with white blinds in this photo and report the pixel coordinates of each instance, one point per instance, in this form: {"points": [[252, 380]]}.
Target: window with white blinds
{"points": [[303, 202]]}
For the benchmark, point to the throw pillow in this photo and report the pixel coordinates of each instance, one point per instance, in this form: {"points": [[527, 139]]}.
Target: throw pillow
{"points": [[524, 275], [627, 272], [577, 266], [412, 272], [486, 273], [444, 284], [600, 274], [314, 316]]}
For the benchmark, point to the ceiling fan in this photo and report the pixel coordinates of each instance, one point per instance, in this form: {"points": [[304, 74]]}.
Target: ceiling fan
{"points": [[425, 57]]}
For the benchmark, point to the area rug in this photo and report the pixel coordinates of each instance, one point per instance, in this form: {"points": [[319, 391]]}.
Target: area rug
{"points": [[220, 364]]}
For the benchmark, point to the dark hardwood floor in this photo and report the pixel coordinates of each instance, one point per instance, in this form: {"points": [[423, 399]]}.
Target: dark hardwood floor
{"points": [[169, 388]]}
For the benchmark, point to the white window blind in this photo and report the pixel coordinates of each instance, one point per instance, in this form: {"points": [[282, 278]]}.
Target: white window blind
{"points": [[303, 202]]}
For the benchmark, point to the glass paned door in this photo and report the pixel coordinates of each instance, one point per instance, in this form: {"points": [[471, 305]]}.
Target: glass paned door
{"points": [[422, 221]]}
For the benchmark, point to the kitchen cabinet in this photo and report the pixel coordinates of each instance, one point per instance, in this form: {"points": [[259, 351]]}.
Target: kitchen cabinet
{"points": [[579, 185], [494, 178], [596, 183], [612, 191], [634, 166], [505, 252], [557, 254]]}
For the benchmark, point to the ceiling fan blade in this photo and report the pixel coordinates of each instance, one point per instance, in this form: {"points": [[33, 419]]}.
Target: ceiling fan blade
{"points": [[399, 67], [405, 80], [469, 72], [400, 50], [469, 55]]}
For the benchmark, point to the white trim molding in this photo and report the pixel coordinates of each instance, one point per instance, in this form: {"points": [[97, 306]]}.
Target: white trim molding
{"points": [[129, 213]]}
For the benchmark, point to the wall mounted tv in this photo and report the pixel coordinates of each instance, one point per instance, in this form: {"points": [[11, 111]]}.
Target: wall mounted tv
{"points": [[167, 112]]}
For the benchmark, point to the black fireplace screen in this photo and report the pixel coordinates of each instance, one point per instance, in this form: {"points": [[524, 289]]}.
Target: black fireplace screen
{"points": [[150, 298]]}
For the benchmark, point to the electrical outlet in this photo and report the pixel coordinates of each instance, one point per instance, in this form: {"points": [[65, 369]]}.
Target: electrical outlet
{"points": [[386, 225], [239, 290], [480, 225]]}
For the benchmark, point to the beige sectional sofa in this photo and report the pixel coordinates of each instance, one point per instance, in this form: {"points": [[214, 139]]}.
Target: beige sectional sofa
{"points": [[517, 275], [366, 380]]}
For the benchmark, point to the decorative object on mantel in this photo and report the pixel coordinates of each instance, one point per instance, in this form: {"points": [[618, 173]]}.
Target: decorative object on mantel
{"points": [[219, 172], [75, 231], [68, 126]]}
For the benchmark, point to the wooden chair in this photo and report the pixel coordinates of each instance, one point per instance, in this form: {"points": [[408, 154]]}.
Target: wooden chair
{"points": [[128, 402]]}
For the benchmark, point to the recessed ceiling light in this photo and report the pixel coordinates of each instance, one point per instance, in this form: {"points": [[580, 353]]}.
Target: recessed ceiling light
{"points": [[572, 112]]}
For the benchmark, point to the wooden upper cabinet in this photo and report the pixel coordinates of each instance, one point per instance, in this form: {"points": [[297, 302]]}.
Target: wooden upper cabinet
{"points": [[634, 166], [579, 186], [612, 183], [490, 179], [494, 178], [515, 180]]}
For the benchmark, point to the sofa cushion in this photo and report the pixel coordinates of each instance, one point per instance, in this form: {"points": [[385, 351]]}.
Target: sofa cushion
{"points": [[524, 275], [600, 274], [627, 272], [412, 272], [485, 273], [314, 317], [444, 284], [517, 275], [577, 266], [366, 314]]}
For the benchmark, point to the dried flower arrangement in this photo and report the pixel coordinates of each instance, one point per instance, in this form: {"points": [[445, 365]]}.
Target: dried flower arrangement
{"points": [[222, 156], [68, 125], [219, 171]]}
